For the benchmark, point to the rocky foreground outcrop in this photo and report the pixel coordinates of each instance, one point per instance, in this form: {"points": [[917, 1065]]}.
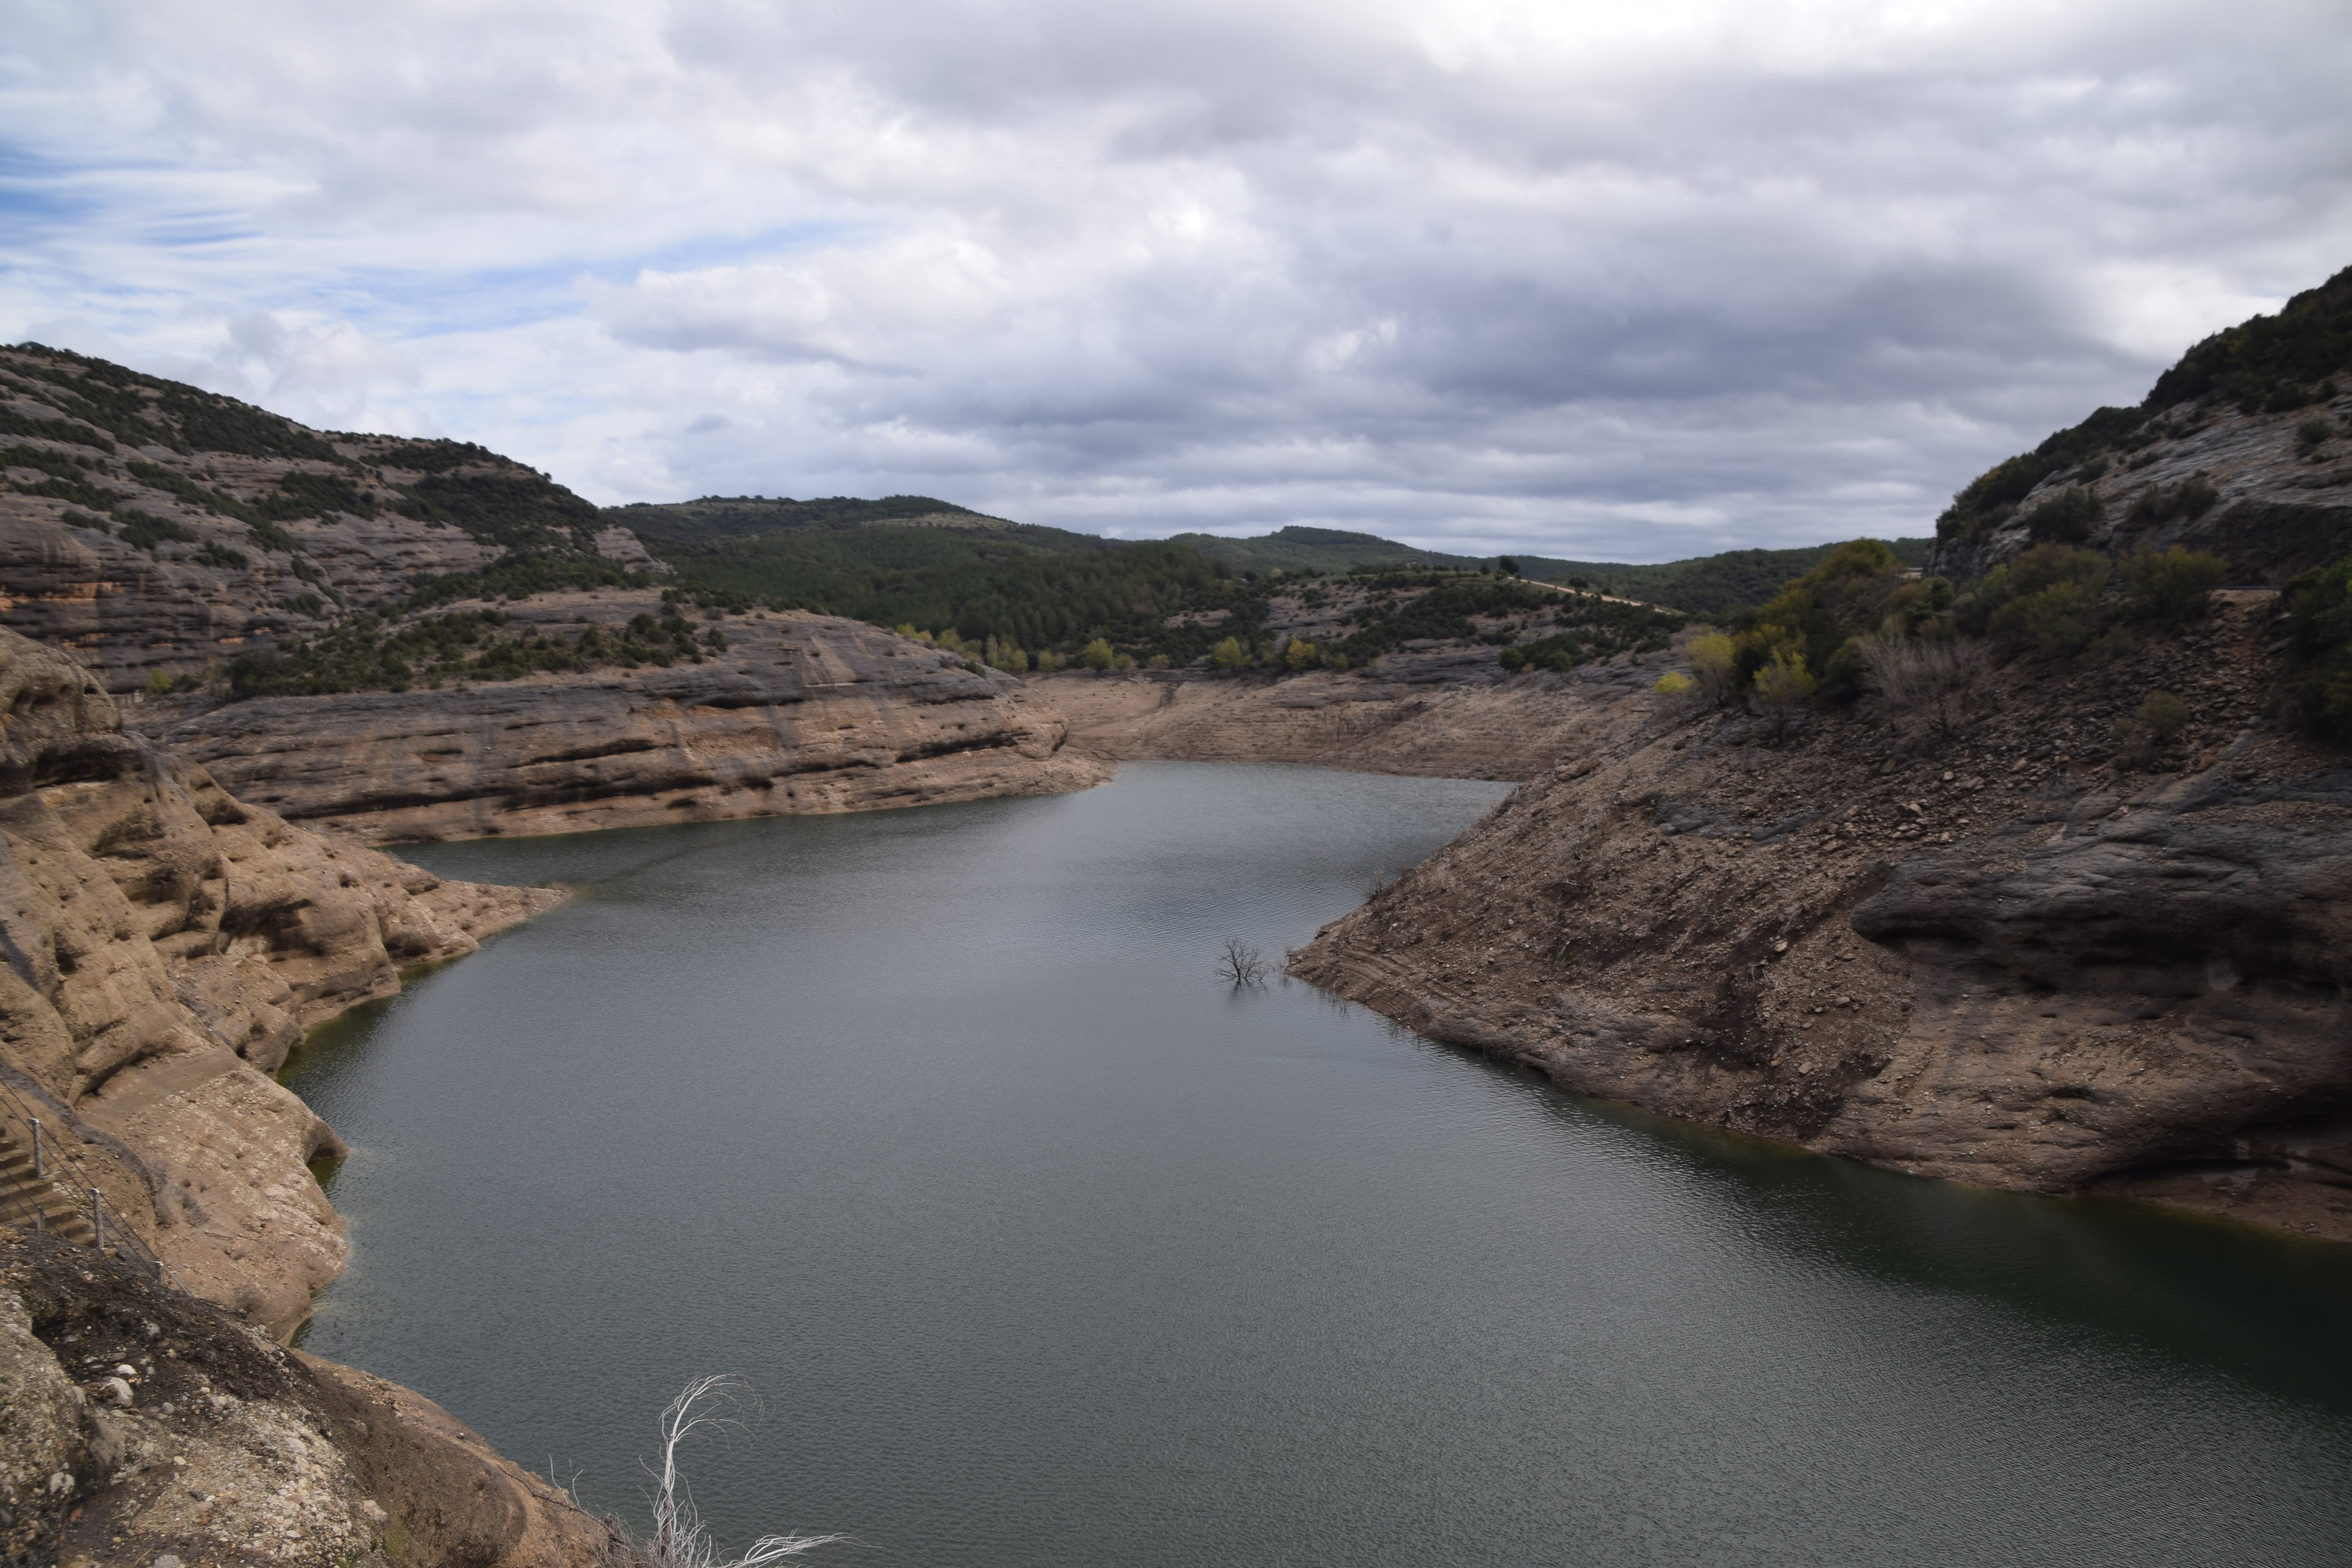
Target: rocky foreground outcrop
{"points": [[800, 713], [165, 946], [139, 1425], [2000, 955]]}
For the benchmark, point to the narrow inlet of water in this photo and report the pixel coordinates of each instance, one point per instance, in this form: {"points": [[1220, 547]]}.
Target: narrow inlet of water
{"points": [[1041, 1246]]}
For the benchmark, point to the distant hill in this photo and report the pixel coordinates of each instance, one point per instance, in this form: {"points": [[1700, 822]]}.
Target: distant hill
{"points": [[1320, 550], [711, 519], [812, 549]]}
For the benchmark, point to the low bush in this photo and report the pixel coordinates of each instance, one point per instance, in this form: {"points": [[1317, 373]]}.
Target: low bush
{"points": [[2171, 587], [1784, 688], [2161, 718], [2046, 600]]}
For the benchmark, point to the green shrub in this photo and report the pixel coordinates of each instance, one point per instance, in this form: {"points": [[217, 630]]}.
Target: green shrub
{"points": [[2059, 620], [2067, 518], [2172, 586], [2319, 646], [2192, 498], [144, 531], [1098, 654], [1822, 613], [2046, 599], [1227, 654], [1299, 654], [1784, 688], [2311, 435]]}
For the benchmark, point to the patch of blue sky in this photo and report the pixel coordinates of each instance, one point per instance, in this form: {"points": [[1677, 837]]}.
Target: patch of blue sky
{"points": [[34, 189], [408, 302], [197, 231]]}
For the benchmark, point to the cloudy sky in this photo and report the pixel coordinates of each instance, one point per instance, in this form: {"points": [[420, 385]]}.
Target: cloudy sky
{"points": [[1625, 281]]}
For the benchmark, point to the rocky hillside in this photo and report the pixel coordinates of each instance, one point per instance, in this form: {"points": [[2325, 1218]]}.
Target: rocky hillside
{"points": [[423, 639], [1435, 713], [151, 527], [2011, 954], [2039, 879], [2245, 450]]}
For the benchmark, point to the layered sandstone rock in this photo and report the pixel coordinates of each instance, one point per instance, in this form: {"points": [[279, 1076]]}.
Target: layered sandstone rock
{"points": [[1976, 955], [800, 713], [166, 945]]}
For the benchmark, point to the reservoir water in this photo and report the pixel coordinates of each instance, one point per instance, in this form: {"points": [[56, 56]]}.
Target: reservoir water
{"points": [[1043, 1247]]}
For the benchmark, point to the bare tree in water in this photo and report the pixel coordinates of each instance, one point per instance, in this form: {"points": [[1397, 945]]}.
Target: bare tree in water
{"points": [[1241, 965], [680, 1538]]}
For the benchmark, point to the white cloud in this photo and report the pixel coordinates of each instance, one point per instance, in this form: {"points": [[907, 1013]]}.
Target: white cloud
{"points": [[1594, 280]]}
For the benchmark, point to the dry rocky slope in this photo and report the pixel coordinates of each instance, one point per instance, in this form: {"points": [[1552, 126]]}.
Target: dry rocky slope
{"points": [[164, 945], [2013, 953]]}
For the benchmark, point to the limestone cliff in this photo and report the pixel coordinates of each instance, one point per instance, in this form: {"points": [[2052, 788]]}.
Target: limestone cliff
{"points": [[2009, 954], [800, 713], [164, 946]]}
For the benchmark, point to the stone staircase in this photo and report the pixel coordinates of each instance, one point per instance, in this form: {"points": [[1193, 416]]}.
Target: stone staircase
{"points": [[28, 1201]]}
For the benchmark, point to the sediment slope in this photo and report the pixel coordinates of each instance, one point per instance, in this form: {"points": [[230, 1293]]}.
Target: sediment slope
{"points": [[1453, 715], [1983, 956], [800, 713]]}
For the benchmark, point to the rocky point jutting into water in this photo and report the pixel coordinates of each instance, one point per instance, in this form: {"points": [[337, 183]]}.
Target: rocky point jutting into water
{"points": [[799, 714]]}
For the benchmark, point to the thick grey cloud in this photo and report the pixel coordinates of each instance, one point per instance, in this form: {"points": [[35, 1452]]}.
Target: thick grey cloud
{"points": [[1625, 281]]}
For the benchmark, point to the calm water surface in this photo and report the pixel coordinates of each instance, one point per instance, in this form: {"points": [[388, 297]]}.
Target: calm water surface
{"points": [[1044, 1247]]}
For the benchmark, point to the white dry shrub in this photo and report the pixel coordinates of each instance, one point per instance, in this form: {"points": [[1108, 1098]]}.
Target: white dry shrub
{"points": [[709, 1405]]}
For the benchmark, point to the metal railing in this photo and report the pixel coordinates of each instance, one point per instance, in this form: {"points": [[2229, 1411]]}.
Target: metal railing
{"points": [[55, 1171]]}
